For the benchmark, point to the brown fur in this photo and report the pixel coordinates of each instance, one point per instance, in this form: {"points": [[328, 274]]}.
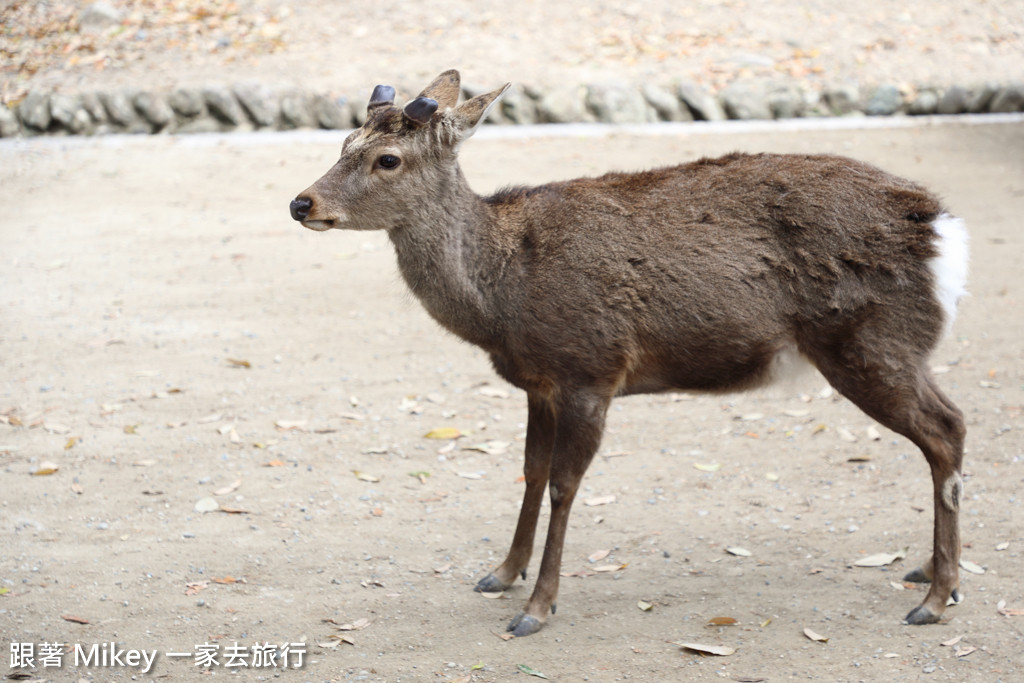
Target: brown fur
{"points": [[692, 277]]}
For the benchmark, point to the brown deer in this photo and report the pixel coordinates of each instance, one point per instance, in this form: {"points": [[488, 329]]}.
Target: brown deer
{"points": [[695, 277]]}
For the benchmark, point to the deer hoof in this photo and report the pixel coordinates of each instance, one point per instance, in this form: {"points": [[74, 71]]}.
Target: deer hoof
{"points": [[490, 584], [524, 625], [917, 576], [921, 615]]}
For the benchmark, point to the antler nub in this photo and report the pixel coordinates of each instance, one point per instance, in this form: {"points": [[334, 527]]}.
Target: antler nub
{"points": [[382, 94], [420, 110]]}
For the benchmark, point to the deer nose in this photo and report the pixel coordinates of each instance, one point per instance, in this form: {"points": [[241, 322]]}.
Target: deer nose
{"points": [[300, 208]]}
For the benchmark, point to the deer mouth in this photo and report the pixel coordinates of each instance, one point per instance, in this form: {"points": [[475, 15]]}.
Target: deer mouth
{"points": [[319, 226]]}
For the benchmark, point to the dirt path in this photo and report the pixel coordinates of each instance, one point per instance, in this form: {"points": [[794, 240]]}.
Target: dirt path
{"points": [[168, 335]]}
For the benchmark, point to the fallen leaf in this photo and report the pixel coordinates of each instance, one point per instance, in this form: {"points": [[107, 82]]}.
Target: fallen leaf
{"points": [[76, 488], [815, 636], [1002, 609], [531, 671], [471, 475], [881, 559], [600, 500], [73, 619], [357, 625], [237, 363], [492, 595], [722, 621], [193, 587], [717, 650], [739, 552], [644, 606], [846, 435], [225, 490], [489, 447], [421, 475], [55, 428], [233, 510], [274, 463], [963, 651], [363, 476], [796, 413], [72, 442], [952, 641], [285, 425], [503, 636], [131, 429], [493, 392], [598, 555], [873, 433], [708, 467], [45, 468], [443, 433], [227, 580], [1003, 546], [606, 568], [971, 567], [206, 504]]}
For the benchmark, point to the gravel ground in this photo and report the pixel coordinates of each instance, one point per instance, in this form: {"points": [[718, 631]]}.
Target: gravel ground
{"points": [[346, 47]]}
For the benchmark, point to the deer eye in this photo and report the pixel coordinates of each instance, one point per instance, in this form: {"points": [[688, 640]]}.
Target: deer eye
{"points": [[388, 161]]}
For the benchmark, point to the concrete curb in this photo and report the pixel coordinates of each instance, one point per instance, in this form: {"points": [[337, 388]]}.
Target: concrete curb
{"points": [[248, 106]]}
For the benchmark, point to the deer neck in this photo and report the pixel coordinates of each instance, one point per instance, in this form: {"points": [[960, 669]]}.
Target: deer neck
{"points": [[450, 257]]}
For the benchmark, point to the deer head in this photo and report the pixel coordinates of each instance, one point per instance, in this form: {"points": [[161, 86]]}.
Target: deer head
{"points": [[397, 160]]}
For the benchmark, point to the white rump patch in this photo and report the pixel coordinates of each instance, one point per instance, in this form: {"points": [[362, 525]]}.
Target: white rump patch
{"points": [[950, 266]]}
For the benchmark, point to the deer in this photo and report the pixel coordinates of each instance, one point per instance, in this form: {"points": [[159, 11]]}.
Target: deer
{"points": [[698, 277]]}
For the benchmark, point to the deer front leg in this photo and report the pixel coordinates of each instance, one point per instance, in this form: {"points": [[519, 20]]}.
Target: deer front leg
{"points": [[580, 422], [540, 438]]}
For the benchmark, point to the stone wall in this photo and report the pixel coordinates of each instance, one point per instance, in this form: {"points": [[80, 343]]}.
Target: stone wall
{"points": [[252, 106]]}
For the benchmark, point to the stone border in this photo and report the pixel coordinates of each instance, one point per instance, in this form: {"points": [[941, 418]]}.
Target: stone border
{"points": [[251, 106]]}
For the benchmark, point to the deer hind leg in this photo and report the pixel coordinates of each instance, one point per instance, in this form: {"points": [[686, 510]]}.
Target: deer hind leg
{"points": [[580, 421], [540, 438], [905, 398]]}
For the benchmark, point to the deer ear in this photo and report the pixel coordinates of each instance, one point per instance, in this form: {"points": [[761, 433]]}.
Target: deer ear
{"points": [[468, 116], [444, 89]]}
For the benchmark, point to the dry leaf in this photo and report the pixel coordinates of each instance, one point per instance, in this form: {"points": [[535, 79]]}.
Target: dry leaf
{"points": [[1002, 609], [284, 425], [493, 392], [227, 580], [274, 463], [644, 606], [739, 552], [1003, 546], [73, 619], [233, 510], [846, 435], [531, 671], [815, 636], [492, 595], [45, 468], [443, 433], [873, 433], [72, 442], [237, 363], [971, 567], [881, 559], [964, 651], [952, 641], [489, 447], [225, 490], [606, 568], [709, 467], [598, 555], [206, 504], [363, 476], [600, 500], [357, 625], [471, 475], [718, 650], [722, 621]]}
